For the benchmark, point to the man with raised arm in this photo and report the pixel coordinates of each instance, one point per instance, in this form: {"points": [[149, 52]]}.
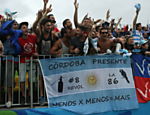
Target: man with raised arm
{"points": [[85, 22], [43, 27], [137, 27]]}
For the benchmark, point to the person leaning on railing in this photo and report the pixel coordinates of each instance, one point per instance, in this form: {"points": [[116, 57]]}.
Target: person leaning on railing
{"points": [[43, 28], [28, 44], [9, 36]]}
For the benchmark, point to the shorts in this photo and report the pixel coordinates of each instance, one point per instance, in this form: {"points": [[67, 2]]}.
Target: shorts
{"points": [[25, 68]]}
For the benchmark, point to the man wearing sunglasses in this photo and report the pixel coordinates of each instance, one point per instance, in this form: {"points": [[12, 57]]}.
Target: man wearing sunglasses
{"points": [[105, 43]]}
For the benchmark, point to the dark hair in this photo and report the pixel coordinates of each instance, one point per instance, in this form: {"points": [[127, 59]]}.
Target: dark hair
{"points": [[52, 20], [50, 15], [127, 37], [64, 22], [137, 25], [85, 28], [105, 25], [23, 23], [86, 19], [44, 21], [98, 27]]}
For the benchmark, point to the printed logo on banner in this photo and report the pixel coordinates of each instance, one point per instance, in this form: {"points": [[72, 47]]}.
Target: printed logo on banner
{"points": [[99, 84], [92, 79]]}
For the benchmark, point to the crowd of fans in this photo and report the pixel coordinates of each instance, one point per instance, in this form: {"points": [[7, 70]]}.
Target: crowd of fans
{"points": [[89, 37]]}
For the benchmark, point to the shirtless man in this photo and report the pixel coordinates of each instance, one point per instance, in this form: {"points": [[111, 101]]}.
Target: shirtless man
{"points": [[105, 43]]}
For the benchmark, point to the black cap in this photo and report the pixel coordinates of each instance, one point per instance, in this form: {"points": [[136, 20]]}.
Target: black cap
{"points": [[23, 23], [105, 24]]}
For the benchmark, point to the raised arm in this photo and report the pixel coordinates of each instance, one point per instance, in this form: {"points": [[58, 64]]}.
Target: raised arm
{"points": [[116, 26], [107, 15], [45, 4], [76, 5], [36, 23], [135, 18], [97, 21], [40, 17], [48, 10], [86, 16], [40, 14], [112, 23]]}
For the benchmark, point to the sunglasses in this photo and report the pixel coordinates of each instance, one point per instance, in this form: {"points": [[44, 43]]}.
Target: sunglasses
{"points": [[104, 32]]}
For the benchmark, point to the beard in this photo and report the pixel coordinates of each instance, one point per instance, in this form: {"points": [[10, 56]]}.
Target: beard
{"points": [[47, 30], [69, 27]]}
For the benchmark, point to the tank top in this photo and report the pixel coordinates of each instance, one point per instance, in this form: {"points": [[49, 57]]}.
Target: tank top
{"points": [[65, 49], [45, 45]]}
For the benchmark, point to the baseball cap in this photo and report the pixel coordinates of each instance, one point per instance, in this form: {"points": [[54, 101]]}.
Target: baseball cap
{"points": [[23, 23], [143, 42]]}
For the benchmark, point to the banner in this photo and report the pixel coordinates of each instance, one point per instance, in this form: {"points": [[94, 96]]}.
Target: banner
{"points": [[141, 72], [90, 84]]}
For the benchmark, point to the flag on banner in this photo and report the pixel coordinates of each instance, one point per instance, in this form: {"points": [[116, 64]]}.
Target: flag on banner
{"points": [[89, 84], [141, 72]]}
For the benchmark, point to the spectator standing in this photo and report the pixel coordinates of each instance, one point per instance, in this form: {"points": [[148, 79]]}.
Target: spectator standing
{"points": [[28, 45], [9, 36]]}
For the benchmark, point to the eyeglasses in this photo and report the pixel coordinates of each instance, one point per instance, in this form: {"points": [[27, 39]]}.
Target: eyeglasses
{"points": [[104, 32]]}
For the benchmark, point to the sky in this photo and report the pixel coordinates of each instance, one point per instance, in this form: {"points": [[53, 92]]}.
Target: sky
{"points": [[63, 9]]}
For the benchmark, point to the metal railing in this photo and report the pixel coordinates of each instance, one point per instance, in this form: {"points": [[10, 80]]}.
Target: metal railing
{"points": [[22, 91], [21, 83]]}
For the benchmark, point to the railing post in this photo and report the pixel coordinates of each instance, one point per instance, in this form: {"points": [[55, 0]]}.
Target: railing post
{"points": [[31, 82]]}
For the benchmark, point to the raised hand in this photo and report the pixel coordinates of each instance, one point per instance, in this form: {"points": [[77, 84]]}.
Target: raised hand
{"points": [[49, 9], [138, 8], [120, 19], [107, 14], [45, 1], [112, 21], [59, 52], [40, 14], [76, 50], [76, 4]]}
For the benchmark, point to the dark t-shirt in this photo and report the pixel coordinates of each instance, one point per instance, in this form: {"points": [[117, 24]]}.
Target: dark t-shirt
{"points": [[44, 45], [129, 46], [143, 51]]}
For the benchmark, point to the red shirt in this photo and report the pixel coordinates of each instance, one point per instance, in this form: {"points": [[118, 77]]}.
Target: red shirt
{"points": [[56, 29], [28, 47]]}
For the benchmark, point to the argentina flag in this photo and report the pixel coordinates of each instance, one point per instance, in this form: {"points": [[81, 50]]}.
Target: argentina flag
{"points": [[89, 84]]}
